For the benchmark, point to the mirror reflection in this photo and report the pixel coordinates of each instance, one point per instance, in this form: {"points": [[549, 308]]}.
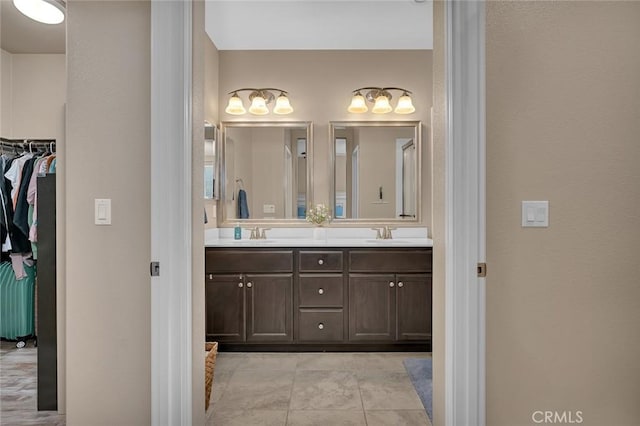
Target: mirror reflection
{"points": [[266, 170], [376, 170], [210, 162]]}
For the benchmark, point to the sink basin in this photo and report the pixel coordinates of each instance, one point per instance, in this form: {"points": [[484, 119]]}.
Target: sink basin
{"points": [[254, 242], [386, 242]]}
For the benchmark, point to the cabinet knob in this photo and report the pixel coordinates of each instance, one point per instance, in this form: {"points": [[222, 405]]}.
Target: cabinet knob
{"points": [[249, 284], [400, 284], [320, 262], [210, 276], [240, 285], [321, 326], [391, 284], [320, 291]]}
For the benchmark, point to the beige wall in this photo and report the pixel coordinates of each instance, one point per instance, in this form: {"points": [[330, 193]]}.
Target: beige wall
{"points": [[6, 89], [563, 119], [108, 283], [33, 95], [320, 84]]}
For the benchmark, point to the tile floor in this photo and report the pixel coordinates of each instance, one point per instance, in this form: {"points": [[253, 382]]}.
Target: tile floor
{"points": [[18, 388], [327, 389]]}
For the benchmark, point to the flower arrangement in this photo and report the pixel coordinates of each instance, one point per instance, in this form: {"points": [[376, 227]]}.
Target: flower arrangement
{"points": [[318, 215]]}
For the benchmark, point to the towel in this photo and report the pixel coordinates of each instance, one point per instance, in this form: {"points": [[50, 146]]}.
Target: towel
{"points": [[243, 207]]}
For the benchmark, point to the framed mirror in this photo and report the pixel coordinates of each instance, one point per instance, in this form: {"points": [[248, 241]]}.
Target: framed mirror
{"points": [[266, 171], [376, 170], [211, 162]]}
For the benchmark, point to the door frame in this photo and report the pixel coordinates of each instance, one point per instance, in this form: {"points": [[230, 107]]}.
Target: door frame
{"points": [[465, 205], [171, 324]]}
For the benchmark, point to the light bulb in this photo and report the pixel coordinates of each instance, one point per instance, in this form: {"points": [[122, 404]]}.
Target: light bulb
{"points": [[358, 104], [382, 105], [405, 106], [46, 12], [258, 106], [282, 105], [235, 106]]}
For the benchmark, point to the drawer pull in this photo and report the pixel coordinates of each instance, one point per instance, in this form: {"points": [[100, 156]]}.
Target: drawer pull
{"points": [[400, 284], [321, 326], [249, 284], [240, 285], [210, 276], [320, 262], [320, 291], [391, 284]]}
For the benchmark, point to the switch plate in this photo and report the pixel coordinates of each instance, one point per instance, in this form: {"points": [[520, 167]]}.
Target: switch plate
{"points": [[103, 211], [268, 208], [535, 214]]}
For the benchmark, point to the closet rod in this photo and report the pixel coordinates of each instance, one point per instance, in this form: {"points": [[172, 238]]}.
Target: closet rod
{"points": [[24, 141]]}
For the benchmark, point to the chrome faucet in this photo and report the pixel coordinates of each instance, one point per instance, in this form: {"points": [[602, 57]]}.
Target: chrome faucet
{"points": [[258, 234], [384, 233]]}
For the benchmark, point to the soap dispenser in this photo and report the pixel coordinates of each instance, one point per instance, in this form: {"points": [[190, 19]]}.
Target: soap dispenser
{"points": [[237, 232]]}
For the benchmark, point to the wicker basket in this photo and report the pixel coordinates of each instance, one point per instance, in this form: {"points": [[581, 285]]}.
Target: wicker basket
{"points": [[211, 349]]}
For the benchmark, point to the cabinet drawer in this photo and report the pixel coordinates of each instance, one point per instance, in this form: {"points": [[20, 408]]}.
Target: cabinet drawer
{"points": [[320, 261], [321, 325], [248, 261], [395, 261], [321, 290]]}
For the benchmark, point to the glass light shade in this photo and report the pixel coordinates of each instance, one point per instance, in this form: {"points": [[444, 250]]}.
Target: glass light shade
{"points": [[382, 105], [405, 106], [235, 106], [46, 12], [358, 104], [258, 106], [282, 105]]}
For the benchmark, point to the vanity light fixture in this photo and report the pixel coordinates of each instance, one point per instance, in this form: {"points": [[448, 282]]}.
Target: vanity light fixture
{"points": [[381, 98], [259, 98], [44, 11]]}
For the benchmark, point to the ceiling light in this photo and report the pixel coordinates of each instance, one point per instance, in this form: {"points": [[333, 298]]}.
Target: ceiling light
{"points": [[44, 11], [381, 96], [259, 98]]}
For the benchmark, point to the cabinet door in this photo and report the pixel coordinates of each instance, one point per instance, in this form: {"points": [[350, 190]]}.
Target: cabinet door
{"points": [[372, 302], [269, 307], [414, 307], [224, 296]]}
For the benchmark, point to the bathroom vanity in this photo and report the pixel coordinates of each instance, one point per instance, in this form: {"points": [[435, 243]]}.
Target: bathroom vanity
{"points": [[319, 297]]}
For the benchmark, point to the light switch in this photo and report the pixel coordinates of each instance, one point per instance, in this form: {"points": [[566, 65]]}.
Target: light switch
{"points": [[535, 214], [103, 211], [268, 208]]}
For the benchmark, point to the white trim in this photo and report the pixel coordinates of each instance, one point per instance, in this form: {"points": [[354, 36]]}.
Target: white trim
{"points": [[171, 207], [465, 215]]}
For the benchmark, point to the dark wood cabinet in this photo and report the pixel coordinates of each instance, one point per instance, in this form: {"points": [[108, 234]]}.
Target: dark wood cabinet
{"points": [[372, 307], [225, 307], [413, 307], [269, 307], [310, 299], [243, 305]]}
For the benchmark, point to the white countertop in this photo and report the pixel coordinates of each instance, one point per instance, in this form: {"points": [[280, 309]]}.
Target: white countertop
{"points": [[336, 237]]}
